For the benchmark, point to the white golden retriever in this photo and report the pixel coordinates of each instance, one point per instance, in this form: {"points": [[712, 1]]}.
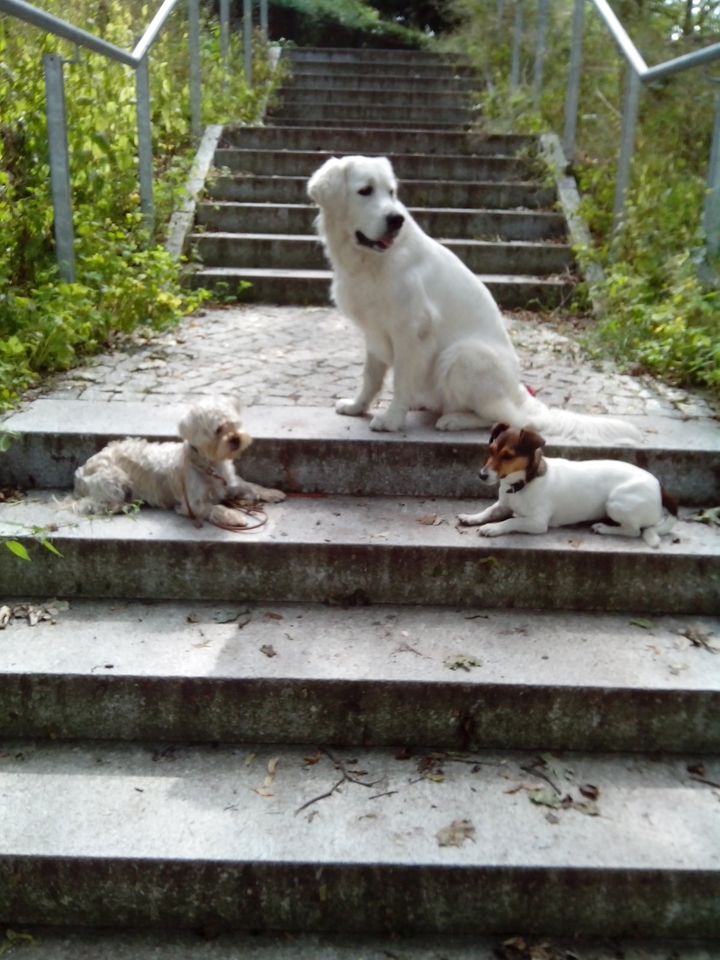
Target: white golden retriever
{"points": [[425, 314], [192, 477]]}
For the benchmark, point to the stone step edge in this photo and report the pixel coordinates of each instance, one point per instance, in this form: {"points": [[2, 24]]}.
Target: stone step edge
{"points": [[292, 443], [353, 550], [100, 944], [298, 673], [479, 158], [313, 239], [293, 839], [270, 272]]}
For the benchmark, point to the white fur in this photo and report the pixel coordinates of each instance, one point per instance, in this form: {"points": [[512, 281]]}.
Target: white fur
{"points": [[426, 315], [576, 491], [192, 477]]}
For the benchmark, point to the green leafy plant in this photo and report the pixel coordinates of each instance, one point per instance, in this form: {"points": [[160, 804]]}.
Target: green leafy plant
{"points": [[661, 315], [125, 278]]}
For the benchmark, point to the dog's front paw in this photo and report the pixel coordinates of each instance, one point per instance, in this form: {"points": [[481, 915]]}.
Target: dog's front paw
{"points": [[349, 408], [467, 519], [387, 421], [267, 495], [491, 530]]}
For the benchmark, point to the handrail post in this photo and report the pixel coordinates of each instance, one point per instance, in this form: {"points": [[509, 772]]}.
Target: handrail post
{"points": [[247, 40], [543, 11], [517, 46], [195, 92], [145, 154], [627, 145], [711, 212], [264, 18], [572, 99], [59, 166], [225, 36]]}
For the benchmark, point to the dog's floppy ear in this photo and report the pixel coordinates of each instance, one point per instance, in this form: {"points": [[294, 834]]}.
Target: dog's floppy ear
{"points": [[529, 441], [498, 429], [325, 181], [187, 426]]}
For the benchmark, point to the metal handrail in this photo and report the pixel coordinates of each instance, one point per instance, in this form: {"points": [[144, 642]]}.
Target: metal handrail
{"points": [[638, 73], [137, 59]]}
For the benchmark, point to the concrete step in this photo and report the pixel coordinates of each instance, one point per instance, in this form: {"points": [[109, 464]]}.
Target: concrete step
{"points": [[348, 550], [365, 140], [312, 287], [370, 55], [341, 120], [289, 673], [382, 83], [392, 96], [352, 111], [300, 218], [302, 839], [313, 450], [445, 167], [391, 68], [94, 944], [305, 252], [415, 193]]}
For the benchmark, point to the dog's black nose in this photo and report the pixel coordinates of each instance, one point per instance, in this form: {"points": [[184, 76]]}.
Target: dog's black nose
{"points": [[394, 221], [483, 474]]}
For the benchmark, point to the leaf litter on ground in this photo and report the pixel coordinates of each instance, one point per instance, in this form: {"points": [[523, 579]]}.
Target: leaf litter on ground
{"points": [[558, 794], [456, 833], [699, 638], [461, 661], [34, 614]]}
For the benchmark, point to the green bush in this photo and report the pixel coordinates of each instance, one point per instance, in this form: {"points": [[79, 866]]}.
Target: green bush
{"points": [[343, 23], [660, 317], [124, 276]]}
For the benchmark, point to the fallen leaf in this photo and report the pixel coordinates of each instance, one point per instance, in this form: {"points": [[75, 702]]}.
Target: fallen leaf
{"points": [[273, 616], [645, 624], [5, 614], [193, 618], [268, 649], [461, 662], [698, 769], [456, 834], [589, 790], [546, 797], [524, 786], [699, 638], [225, 617], [430, 520], [710, 516]]}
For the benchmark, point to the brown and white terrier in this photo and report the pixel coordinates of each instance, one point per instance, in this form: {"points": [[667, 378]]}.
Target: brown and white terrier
{"points": [[538, 492]]}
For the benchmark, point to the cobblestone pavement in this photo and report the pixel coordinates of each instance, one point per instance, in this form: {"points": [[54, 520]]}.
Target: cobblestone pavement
{"points": [[280, 356]]}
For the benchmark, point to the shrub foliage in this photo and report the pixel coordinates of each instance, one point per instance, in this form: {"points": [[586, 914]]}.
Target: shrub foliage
{"points": [[124, 276], [662, 300]]}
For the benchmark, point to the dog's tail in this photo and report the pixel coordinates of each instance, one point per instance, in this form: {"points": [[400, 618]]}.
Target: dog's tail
{"points": [[557, 424]]}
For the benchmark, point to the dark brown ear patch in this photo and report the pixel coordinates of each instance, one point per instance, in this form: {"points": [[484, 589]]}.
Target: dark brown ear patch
{"points": [[529, 441], [498, 429]]}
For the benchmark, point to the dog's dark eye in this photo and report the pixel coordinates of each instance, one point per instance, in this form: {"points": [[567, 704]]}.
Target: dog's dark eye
{"points": [[508, 455], [366, 191], [218, 431]]}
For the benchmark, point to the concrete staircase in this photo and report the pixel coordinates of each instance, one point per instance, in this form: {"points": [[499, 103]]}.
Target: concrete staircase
{"points": [[358, 732], [487, 197]]}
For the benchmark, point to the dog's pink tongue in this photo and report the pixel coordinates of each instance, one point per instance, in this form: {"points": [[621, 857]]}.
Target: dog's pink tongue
{"points": [[386, 242]]}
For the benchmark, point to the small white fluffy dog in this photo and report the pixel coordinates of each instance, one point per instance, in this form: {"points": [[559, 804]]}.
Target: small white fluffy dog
{"points": [[425, 314], [192, 477], [539, 492]]}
